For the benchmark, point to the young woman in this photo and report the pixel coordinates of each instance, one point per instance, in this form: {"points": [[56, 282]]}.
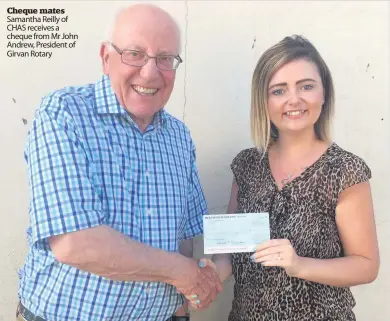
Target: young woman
{"points": [[323, 236]]}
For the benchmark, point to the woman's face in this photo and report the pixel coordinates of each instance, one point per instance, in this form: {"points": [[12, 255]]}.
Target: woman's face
{"points": [[295, 97]]}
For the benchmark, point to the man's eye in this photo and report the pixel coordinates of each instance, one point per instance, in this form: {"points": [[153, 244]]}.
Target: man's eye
{"points": [[133, 54], [166, 58]]}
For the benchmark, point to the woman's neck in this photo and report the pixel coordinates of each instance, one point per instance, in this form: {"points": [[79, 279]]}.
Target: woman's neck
{"points": [[294, 147]]}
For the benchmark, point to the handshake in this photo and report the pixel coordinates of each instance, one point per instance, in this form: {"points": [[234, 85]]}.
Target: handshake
{"points": [[202, 285]]}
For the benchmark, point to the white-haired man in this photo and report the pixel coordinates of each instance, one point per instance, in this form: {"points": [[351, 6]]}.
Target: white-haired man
{"points": [[115, 193]]}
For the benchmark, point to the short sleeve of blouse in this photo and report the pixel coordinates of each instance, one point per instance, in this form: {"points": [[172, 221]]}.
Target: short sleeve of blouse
{"points": [[353, 170], [242, 164]]}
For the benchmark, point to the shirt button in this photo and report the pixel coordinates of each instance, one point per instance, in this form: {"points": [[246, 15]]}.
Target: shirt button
{"points": [[149, 211], [147, 173], [147, 290]]}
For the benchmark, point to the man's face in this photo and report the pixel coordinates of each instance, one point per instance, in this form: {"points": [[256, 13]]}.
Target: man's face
{"points": [[142, 91]]}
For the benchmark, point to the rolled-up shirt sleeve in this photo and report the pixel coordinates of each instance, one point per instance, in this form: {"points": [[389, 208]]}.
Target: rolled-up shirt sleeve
{"points": [[63, 197]]}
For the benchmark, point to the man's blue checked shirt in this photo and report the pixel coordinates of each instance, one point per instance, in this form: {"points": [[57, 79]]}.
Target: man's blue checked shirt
{"points": [[90, 165]]}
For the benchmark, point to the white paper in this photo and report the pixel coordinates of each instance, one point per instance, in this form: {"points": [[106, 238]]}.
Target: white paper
{"points": [[234, 233]]}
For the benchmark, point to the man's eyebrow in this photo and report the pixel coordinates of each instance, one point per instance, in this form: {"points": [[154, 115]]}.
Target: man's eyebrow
{"points": [[140, 48], [298, 82], [167, 52], [134, 47]]}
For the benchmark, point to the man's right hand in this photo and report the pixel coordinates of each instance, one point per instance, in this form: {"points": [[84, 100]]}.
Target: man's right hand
{"points": [[201, 286]]}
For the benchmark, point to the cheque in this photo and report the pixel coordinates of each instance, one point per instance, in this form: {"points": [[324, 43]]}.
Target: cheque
{"points": [[234, 233]]}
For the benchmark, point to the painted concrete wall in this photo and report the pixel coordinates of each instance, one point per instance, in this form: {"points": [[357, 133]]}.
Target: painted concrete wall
{"points": [[222, 41]]}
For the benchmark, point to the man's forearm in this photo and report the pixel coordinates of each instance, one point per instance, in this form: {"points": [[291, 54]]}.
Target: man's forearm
{"points": [[108, 253]]}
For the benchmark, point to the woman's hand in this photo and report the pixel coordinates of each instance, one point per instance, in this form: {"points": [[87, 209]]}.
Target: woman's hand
{"points": [[207, 262], [194, 302], [278, 252]]}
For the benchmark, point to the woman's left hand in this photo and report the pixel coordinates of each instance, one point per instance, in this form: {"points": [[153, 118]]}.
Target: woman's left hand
{"points": [[278, 252]]}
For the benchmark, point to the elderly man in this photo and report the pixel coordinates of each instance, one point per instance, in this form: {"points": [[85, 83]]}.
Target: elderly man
{"points": [[115, 193]]}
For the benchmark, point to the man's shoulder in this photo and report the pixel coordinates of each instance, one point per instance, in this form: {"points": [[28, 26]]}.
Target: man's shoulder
{"points": [[175, 123], [75, 101]]}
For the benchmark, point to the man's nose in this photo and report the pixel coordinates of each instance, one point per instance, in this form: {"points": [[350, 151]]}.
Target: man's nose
{"points": [[149, 70]]}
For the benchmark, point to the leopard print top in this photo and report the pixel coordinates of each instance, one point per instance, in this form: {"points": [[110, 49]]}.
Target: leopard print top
{"points": [[303, 211]]}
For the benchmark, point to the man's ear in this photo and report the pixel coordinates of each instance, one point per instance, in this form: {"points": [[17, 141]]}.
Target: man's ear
{"points": [[104, 55]]}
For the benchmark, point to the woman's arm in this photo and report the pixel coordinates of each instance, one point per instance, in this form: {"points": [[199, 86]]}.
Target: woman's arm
{"points": [[356, 226]]}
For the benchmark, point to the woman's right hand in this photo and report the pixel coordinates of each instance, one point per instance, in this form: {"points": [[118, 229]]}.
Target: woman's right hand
{"points": [[203, 263], [207, 262]]}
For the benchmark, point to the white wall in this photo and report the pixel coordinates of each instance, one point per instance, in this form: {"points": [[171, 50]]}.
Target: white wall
{"points": [[212, 96]]}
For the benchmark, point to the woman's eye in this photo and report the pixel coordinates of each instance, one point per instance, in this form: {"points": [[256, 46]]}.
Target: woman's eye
{"points": [[307, 87], [277, 92]]}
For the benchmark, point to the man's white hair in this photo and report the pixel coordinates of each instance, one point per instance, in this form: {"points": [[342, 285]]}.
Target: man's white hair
{"points": [[111, 26], [107, 38]]}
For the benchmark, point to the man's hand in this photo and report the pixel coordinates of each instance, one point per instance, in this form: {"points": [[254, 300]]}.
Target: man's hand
{"points": [[200, 287]]}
